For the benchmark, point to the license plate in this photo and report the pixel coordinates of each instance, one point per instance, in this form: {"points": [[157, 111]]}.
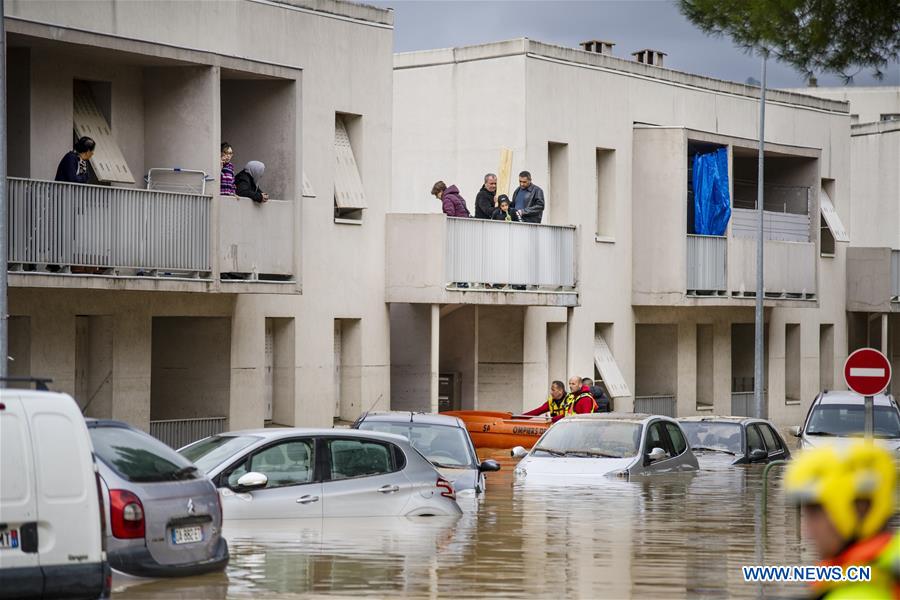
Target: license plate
{"points": [[187, 535], [9, 538]]}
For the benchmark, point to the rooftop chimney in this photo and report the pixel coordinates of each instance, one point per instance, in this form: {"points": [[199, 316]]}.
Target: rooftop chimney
{"points": [[649, 57], [597, 46], [813, 82]]}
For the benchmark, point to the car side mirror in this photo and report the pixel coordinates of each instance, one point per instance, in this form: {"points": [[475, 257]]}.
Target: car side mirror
{"points": [[795, 431], [251, 481], [518, 452], [489, 465], [657, 454], [758, 454]]}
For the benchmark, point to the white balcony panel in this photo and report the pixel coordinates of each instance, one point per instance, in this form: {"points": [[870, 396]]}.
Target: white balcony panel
{"points": [[785, 227], [481, 251], [706, 267], [789, 267], [256, 239]]}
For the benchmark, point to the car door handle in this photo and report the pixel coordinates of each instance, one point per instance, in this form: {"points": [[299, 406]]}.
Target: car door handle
{"points": [[307, 499], [389, 489]]}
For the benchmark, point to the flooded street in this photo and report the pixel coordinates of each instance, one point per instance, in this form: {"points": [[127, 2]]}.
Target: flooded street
{"points": [[663, 537]]}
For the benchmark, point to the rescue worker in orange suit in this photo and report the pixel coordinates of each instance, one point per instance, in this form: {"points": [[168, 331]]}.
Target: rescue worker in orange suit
{"points": [[847, 499], [555, 405]]}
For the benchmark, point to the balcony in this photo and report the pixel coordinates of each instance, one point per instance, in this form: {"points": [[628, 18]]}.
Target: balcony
{"points": [[72, 235], [430, 255], [873, 279]]}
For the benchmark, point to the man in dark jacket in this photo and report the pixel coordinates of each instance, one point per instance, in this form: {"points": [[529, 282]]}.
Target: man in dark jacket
{"points": [[484, 201], [528, 199], [603, 404]]}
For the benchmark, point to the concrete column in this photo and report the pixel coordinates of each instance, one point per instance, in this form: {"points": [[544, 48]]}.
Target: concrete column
{"points": [[721, 368], [570, 341], [411, 351], [435, 355], [248, 353], [132, 351], [884, 334], [686, 369], [536, 354]]}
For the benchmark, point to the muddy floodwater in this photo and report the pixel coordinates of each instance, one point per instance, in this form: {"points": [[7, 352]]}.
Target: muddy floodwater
{"points": [[662, 537]]}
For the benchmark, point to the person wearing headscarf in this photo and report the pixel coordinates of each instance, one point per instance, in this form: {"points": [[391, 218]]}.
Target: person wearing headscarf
{"points": [[247, 182]]}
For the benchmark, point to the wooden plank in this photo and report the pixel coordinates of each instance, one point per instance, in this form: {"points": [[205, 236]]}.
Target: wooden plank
{"points": [[504, 172], [108, 161]]}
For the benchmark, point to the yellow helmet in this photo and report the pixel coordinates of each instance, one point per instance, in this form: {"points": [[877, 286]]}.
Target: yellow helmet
{"points": [[835, 480]]}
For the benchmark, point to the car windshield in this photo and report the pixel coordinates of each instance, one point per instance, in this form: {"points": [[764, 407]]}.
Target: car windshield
{"points": [[713, 436], [209, 453], [138, 457], [443, 445], [611, 439], [849, 419]]}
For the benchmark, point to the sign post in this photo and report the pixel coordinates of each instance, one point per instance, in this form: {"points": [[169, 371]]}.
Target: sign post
{"points": [[867, 372]]}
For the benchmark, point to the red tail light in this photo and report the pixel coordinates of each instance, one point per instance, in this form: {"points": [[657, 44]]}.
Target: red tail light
{"points": [[447, 488], [126, 514]]}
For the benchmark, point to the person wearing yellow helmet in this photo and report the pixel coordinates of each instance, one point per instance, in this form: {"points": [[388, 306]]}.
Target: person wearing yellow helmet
{"points": [[847, 499]]}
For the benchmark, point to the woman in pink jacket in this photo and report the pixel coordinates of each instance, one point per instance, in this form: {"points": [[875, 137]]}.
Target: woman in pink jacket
{"points": [[452, 203]]}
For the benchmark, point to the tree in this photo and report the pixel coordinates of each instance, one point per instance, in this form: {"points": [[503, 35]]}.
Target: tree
{"points": [[810, 35]]}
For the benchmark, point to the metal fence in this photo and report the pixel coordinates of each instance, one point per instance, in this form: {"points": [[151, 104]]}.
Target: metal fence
{"points": [[482, 251], [776, 226], [706, 269], [895, 274], [742, 403], [656, 405], [181, 432], [104, 227]]}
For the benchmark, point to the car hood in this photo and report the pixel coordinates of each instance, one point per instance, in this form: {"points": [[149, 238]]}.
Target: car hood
{"points": [[815, 441], [571, 466]]}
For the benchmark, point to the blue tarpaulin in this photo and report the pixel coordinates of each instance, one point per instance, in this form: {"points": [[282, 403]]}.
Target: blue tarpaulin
{"points": [[712, 203]]}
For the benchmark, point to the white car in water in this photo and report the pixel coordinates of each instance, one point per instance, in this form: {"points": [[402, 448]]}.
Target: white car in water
{"points": [[838, 418], [620, 445], [315, 473]]}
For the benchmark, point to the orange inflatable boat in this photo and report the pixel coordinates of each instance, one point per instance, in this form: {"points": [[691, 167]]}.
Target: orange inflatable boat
{"points": [[501, 429]]}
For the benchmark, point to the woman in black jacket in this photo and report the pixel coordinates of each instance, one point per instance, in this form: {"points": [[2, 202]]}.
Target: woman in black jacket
{"points": [[247, 182], [73, 166]]}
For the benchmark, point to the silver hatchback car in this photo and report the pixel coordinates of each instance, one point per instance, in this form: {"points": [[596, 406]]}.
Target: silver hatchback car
{"points": [[290, 473], [163, 516]]}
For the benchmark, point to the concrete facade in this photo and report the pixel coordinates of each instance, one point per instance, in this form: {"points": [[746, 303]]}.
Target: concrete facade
{"points": [[577, 121], [268, 77]]}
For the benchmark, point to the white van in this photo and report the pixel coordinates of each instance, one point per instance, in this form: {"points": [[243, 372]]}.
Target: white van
{"points": [[51, 521]]}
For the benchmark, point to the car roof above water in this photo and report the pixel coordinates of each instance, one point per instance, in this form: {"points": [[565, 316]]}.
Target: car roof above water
{"points": [[276, 433], [847, 397], [618, 416], [737, 420], [405, 416]]}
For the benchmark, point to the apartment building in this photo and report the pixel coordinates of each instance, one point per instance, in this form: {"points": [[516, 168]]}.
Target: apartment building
{"points": [[621, 284], [161, 302], [873, 259]]}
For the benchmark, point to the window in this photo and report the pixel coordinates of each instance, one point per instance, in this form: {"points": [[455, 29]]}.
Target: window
{"points": [[656, 438], [792, 364], [209, 453], [288, 463], [442, 445], [890, 116], [678, 443], [359, 458], [349, 194], [138, 457], [754, 441], [606, 194], [770, 439], [831, 227]]}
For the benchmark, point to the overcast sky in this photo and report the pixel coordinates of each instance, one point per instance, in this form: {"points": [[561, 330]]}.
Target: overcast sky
{"points": [[631, 24]]}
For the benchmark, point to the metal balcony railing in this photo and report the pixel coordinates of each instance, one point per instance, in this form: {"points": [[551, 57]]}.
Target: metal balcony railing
{"points": [[706, 267], [786, 211], [177, 433], [656, 405], [495, 252], [895, 275], [106, 228]]}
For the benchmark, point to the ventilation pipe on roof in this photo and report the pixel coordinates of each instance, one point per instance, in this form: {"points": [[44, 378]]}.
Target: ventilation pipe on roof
{"points": [[597, 46]]}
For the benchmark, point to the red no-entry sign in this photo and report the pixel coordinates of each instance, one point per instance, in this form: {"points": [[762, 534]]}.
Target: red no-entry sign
{"points": [[867, 372]]}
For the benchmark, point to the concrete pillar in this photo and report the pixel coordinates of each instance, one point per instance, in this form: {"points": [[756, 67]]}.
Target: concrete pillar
{"points": [[884, 334], [248, 353], [721, 368], [537, 357], [132, 351], [686, 369], [570, 341], [434, 356], [411, 351]]}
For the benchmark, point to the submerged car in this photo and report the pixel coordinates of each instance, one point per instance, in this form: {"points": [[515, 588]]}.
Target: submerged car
{"points": [[748, 440], [164, 516], [283, 473], [612, 444], [838, 417], [441, 439]]}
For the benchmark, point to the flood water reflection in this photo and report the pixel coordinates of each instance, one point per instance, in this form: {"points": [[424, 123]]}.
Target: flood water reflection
{"points": [[661, 537]]}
